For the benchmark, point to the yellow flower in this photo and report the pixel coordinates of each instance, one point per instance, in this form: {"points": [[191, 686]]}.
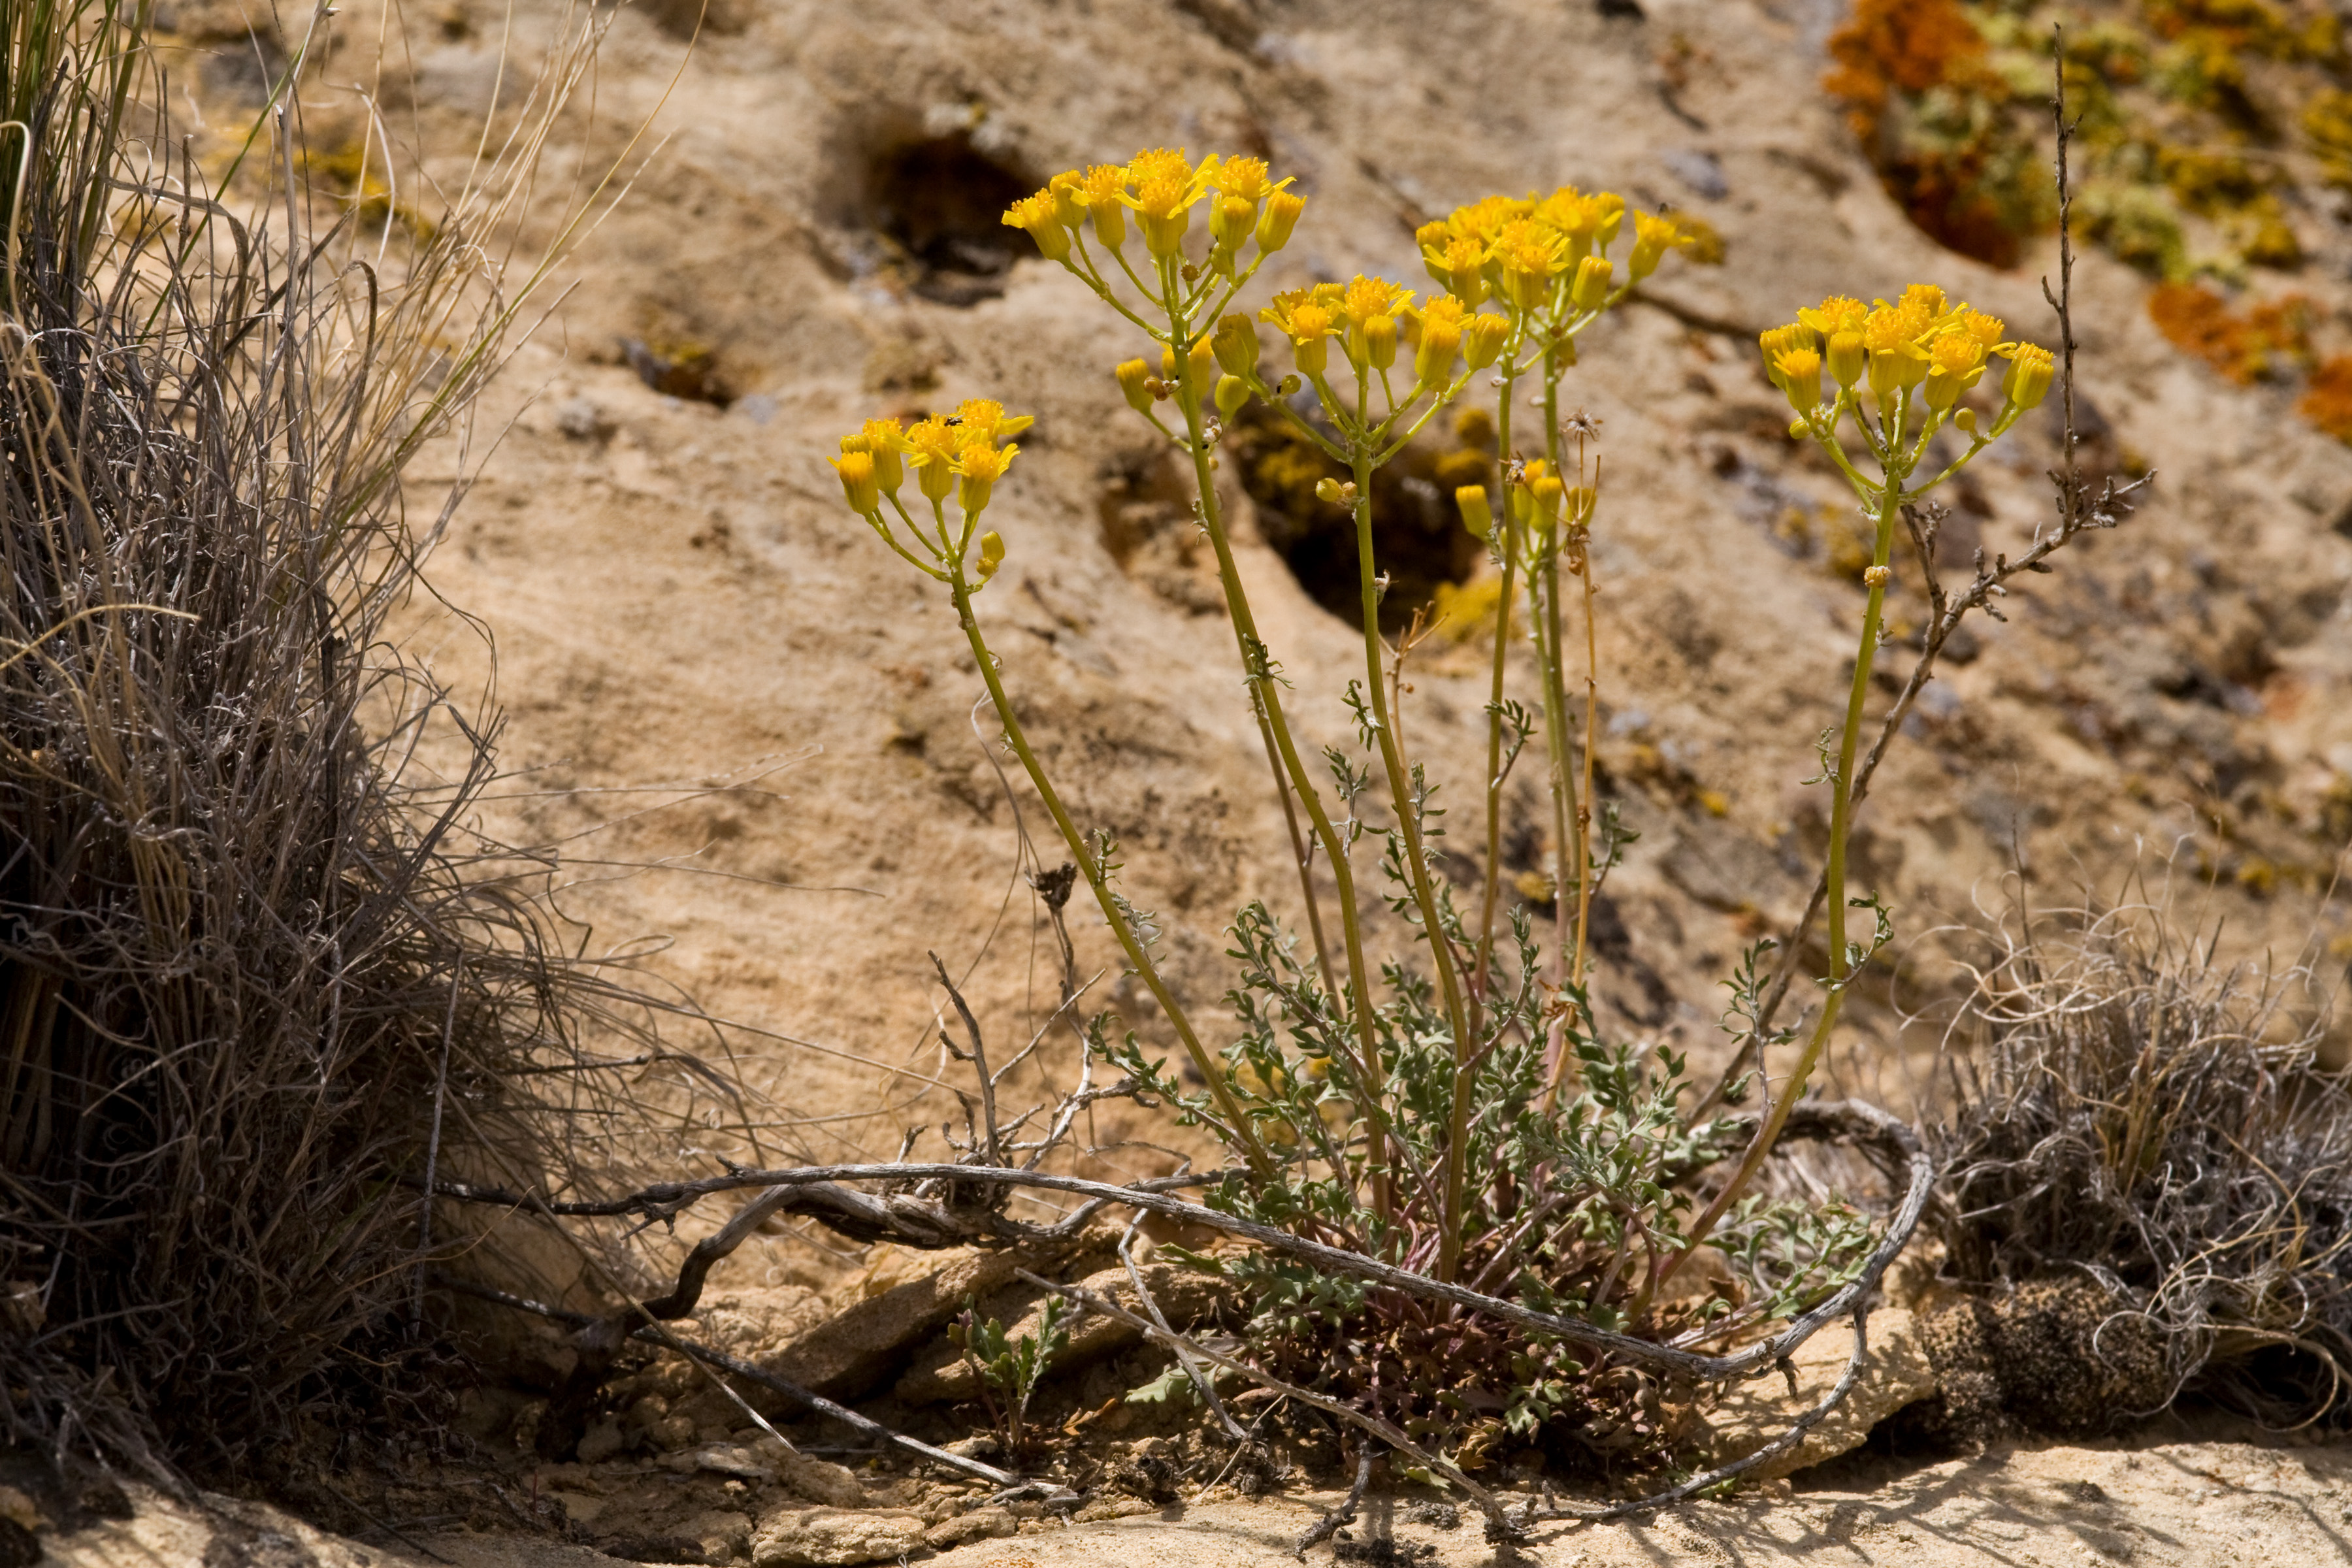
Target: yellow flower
{"points": [[1164, 206], [886, 441], [1441, 336], [1483, 339], [1778, 342], [1847, 359], [1244, 178], [857, 484], [1065, 188], [1477, 512], [1800, 378], [980, 467], [1159, 163], [1530, 256], [1838, 313], [1306, 322], [1135, 385], [2031, 369], [1380, 342], [1036, 214], [1281, 216], [1653, 237], [1954, 363], [1368, 297], [984, 419], [1892, 333], [932, 445], [1589, 291], [1236, 342], [1926, 298], [1103, 191], [1984, 330]]}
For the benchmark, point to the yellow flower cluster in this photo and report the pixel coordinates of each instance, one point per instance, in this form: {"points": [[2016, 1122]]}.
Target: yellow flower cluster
{"points": [[1520, 248], [1919, 341], [1372, 318], [1160, 187], [962, 454]]}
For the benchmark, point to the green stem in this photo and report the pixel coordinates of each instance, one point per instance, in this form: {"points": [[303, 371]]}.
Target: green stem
{"points": [[1441, 947], [1550, 658], [1493, 887], [1841, 972], [1293, 768], [1098, 880]]}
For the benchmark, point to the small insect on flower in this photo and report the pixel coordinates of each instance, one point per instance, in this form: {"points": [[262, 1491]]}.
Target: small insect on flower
{"points": [[932, 445]]}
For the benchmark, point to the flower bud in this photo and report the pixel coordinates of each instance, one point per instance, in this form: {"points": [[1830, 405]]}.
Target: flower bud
{"points": [[992, 553], [1036, 214], [1110, 223], [1483, 338], [1236, 342], [1229, 221], [1312, 354], [1847, 361], [1545, 494], [1281, 215], [936, 478], [1801, 378], [1135, 383], [1966, 420], [1477, 512], [1064, 188], [1432, 360], [1231, 393], [857, 484], [1590, 290], [1381, 341], [2030, 369], [1203, 363]]}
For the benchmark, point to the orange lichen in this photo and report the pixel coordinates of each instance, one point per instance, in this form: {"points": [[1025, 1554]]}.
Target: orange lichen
{"points": [[2326, 401], [1914, 44], [2263, 342]]}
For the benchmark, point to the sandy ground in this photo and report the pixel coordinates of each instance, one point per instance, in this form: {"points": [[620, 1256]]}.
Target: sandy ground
{"points": [[2182, 1504]]}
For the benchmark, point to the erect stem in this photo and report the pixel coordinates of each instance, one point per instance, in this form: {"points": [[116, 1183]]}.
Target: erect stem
{"points": [[1566, 807], [1293, 768], [1491, 887], [1841, 970], [1091, 867], [1551, 657], [1301, 849], [1584, 867], [1408, 812]]}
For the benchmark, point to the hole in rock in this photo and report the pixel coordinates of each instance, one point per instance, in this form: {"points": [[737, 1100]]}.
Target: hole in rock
{"points": [[942, 204], [1417, 533]]}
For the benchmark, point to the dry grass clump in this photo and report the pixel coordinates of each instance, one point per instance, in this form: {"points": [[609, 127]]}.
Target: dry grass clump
{"points": [[256, 981], [2151, 1177]]}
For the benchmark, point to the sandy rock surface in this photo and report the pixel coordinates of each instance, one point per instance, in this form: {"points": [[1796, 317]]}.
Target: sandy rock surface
{"points": [[2188, 1505], [677, 598]]}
